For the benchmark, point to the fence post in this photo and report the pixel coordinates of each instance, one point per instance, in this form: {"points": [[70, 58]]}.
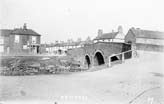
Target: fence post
{"points": [[109, 64], [133, 52]]}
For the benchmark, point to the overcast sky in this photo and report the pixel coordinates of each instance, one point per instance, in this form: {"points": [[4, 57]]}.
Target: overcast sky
{"points": [[63, 19]]}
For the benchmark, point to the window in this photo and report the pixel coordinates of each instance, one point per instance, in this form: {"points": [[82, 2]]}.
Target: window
{"points": [[106, 40], [33, 39], [1, 41], [25, 47], [16, 38], [1, 48]]}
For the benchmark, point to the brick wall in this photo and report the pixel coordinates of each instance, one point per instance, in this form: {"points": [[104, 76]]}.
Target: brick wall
{"points": [[17, 48], [149, 47], [130, 37], [145, 44], [106, 49]]}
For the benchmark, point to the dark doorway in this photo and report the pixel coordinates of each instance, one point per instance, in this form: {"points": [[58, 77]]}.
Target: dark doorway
{"points": [[37, 49], [98, 59], [114, 58], [87, 60]]}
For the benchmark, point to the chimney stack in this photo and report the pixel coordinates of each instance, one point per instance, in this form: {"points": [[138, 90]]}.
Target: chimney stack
{"points": [[120, 29], [138, 28], [25, 26], [100, 32]]}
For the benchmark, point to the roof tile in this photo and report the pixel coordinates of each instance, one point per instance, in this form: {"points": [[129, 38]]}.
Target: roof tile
{"points": [[25, 32], [107, 36], [5, 32], [139, 33]]}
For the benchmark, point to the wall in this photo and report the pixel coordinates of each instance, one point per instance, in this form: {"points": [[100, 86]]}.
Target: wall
{"points": [[149, 47], [6, 43], [77, 53], [145, 44], [17, 48], [130, 37], [106, 49], [150, 41]]}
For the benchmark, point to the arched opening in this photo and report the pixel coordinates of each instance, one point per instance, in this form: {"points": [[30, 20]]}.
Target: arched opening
{"points": [[87, 61], [98, 59], [60, 51], [114, 58]]}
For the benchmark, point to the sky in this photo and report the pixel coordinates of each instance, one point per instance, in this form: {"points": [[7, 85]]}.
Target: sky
{"points": [[65, 19]]}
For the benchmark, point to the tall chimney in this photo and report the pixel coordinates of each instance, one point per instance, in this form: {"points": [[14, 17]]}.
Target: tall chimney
{"points": [[120, 29], [100, 32], [25, 26]]}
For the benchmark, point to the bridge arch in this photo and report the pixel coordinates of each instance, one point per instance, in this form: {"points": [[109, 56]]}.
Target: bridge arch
{"points": [[87, 60], [98, 58]]}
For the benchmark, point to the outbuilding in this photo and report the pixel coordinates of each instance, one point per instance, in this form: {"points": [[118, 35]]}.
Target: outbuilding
{"points": [[146, 40]]}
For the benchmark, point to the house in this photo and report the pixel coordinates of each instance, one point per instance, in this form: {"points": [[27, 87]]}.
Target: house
{"points": [[19, 41], [110, 37], [62, 48], [146, 40], [5, 40]]}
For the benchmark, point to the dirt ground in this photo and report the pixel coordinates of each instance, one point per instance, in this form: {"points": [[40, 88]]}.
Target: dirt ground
{"points": [[137, 81]]}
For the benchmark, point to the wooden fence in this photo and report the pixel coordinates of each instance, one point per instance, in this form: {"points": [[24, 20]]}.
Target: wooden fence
{"points": [[122, 56]]}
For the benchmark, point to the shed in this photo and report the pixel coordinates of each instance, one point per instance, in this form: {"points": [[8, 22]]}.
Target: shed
{"points": [[147, 40]]}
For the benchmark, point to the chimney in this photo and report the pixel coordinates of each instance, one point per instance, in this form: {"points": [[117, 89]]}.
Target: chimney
{"points": [[24, 26], [120, 29], [138, 28], [100, 32], [138, 31]]}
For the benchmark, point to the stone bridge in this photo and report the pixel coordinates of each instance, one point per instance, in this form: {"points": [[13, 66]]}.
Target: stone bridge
{"points": [[98, 53]]}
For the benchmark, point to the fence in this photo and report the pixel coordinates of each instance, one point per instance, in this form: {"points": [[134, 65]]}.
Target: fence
{"points": [[133, 53]]}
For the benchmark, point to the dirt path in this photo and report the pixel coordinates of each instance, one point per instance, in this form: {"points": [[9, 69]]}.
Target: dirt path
{"points": [[121, 84]]}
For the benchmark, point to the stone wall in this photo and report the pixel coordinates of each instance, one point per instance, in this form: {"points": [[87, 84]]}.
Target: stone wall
{"points": [[77, 53], [106, 49]]}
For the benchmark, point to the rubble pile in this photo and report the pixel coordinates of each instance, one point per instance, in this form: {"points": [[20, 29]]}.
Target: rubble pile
{"points": [[38, 65]]}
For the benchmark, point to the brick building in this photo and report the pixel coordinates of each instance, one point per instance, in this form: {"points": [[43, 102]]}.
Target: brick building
{"points": [[19, 41], [145, 39], [117, 37], [103, 46]]}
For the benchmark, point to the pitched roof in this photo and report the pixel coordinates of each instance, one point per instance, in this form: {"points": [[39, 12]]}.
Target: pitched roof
{"points": [[139, 33], [5, 32], [107, 36], [25, 32]]}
